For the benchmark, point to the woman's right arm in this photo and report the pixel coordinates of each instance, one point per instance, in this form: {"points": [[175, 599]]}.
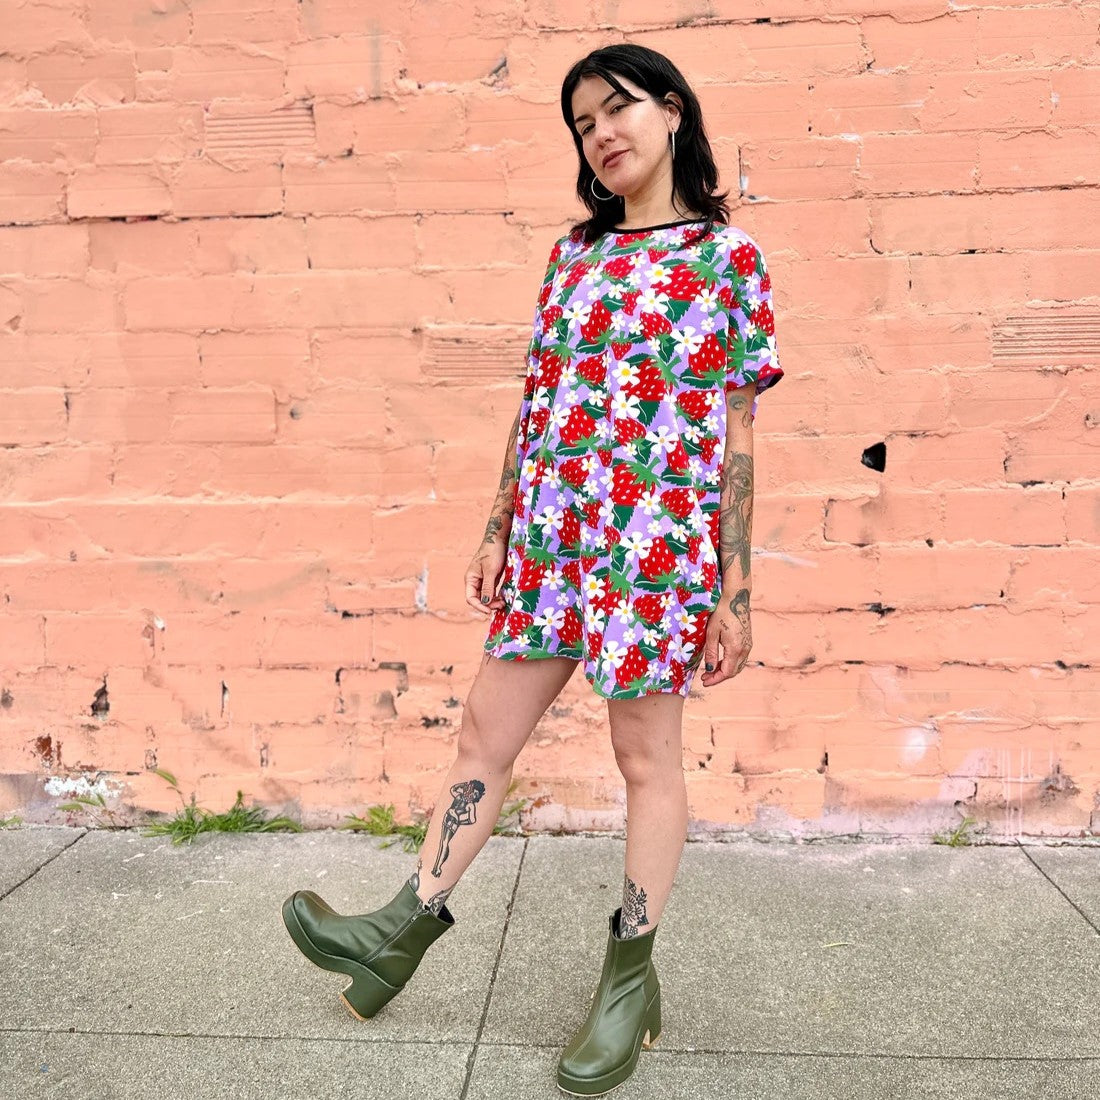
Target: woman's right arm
{"points": [[499, 526]]}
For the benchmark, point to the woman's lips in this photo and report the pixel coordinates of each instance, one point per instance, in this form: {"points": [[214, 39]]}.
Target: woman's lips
{"points": [[615, 159]]}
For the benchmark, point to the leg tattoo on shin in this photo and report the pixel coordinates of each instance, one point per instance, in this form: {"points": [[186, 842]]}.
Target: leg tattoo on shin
{"points": [[633, 909], [461, 811]]}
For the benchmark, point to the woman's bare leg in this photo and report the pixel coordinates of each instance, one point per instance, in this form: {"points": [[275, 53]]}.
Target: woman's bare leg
{"points": [[646, 735], [504, 704]]}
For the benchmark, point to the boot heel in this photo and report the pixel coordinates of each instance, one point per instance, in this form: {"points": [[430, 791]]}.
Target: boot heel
{"points": [[653, 1023], [367, 993]]}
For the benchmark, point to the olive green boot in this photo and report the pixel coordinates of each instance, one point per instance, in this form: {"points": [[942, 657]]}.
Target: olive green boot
{"points": [[379, 950], [625, 1016]]}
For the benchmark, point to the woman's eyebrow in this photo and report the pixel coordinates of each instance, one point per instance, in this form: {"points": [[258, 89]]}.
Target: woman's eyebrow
{"points": [[606, 100]]}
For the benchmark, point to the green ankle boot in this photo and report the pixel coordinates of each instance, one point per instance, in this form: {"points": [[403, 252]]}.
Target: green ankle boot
{"points": [[624, 1017], [379, 950]]}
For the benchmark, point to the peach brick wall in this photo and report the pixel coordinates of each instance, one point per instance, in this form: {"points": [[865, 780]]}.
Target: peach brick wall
{"points": [[266, 278]]}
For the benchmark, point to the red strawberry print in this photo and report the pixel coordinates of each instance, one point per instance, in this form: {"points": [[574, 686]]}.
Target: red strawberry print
{"points": [[630, 301], [627, 429], [570, 533], [619, 267], [549, 369], [574, 470], [678, 458], [743, 259], [681, 282], [579, 426], [650, 607], [570, 632], [696, 404], [576, 272], [634, 666], [519, 621], [659, 561], [599, 321], [649, 385], [592, 369], [710, 357], [653, 324], [531, 575], [626, 486], [679, 501]]}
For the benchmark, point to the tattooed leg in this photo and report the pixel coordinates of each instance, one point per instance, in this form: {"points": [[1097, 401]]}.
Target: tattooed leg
{"points": [[461, 812], [435, 902], [633, 914]]}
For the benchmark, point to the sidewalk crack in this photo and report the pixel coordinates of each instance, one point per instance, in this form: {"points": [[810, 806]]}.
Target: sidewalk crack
{"points": [[493, 977]]}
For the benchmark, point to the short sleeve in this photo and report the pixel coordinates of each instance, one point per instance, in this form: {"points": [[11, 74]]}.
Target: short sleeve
{"points": [[541, 320], [752, 355]]}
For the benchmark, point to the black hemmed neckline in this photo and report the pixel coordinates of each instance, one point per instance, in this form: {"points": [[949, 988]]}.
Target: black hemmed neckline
{"points": [[663, 225]]}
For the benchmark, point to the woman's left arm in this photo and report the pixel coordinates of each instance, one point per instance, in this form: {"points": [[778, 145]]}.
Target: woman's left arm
{"points": [[730, 624]]}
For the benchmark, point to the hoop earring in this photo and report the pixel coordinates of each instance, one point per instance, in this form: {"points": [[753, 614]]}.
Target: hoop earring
{"points": [[600, 198]]}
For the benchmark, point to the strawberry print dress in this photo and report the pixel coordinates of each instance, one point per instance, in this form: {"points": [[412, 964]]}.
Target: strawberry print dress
{"points": [[612, 556]]}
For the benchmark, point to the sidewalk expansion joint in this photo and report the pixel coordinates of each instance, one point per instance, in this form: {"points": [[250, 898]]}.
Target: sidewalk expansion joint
{"points": [[1084, 916], [76, 840], [493, 977]]}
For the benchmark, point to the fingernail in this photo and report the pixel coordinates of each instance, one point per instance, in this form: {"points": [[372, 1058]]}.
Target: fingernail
{"points": [[710, 667], [484, 599]]}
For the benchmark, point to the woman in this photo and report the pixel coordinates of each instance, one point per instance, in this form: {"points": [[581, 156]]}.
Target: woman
{"points": [[620, 535]]}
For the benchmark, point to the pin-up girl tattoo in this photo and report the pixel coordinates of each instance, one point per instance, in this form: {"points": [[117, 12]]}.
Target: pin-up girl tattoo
{"points": [[461, 812]]}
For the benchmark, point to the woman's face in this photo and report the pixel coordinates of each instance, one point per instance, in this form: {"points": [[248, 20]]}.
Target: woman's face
{"points": [[609, 122]]}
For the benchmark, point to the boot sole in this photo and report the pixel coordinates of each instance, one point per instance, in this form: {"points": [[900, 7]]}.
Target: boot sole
{"points": [[367, 990], [600, 1086]]}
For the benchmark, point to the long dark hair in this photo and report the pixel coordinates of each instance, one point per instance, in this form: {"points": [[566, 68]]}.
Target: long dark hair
{"points": [[694, 174]]}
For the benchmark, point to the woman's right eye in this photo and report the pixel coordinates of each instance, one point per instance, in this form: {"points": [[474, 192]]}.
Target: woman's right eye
{"points": [[617, 107]]}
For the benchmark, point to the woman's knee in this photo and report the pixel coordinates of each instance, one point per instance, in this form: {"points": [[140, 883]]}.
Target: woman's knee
{"points": [[646, 744], [483, 741]]}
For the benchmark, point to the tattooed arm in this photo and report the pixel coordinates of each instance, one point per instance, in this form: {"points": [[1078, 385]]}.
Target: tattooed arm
{"points": [[499, 526], [735, 506]]}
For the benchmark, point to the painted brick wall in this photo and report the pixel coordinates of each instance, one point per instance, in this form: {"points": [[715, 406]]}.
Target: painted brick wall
{"points": [[266, 277]]}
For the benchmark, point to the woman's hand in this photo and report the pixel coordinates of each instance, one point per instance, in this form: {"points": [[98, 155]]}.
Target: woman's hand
{"points": [[482, 575], [730, 631]]}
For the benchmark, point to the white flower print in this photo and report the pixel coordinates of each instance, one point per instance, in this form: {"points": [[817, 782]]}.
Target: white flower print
{"points": [[686, 340], [593, 587], [549, 517], [664, 439], [613, 653], [556, 619], [577, 314], [636, 545], [652, 301], [594, 619], [624, 613], [625, 404], [708, 300]]}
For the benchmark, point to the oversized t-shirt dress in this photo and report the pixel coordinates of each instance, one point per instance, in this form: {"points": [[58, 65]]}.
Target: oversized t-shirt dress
{"points": [[613, 553]]}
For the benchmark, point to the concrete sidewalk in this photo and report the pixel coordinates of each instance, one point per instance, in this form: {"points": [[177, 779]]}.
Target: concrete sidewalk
{"points": [[789, 971]]}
